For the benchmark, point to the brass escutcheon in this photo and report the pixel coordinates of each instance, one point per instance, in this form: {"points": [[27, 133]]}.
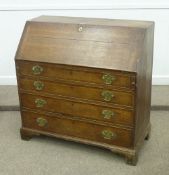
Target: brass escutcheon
{"points": [[107, 134], [107, 114], [37, 70], [41, 122], [40, 102], [107, 95], [80, 29], [38, 85], [108, 78]]}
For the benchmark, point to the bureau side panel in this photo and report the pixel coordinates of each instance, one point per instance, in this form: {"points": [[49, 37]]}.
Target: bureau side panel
{"points": [[144, 83]]}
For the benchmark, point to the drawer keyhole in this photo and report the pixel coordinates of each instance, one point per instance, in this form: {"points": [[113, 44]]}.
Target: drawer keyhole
{"points": [[80, 29]]}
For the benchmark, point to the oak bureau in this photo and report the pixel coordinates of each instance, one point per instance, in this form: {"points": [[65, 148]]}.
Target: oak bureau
{"points": [[87, 80]]}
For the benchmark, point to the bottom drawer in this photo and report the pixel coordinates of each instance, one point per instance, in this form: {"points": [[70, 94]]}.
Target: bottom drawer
{"points": [[79, 129]]}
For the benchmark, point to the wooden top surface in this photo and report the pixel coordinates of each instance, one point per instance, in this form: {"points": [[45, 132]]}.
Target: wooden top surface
{"points": [[102, 43], [94, 21]]}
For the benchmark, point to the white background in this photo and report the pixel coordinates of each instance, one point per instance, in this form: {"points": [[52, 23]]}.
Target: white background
{"points": [[14, 13]]}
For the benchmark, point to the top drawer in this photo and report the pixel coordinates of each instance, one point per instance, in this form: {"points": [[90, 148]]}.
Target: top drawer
{"points": [[78, 74]]}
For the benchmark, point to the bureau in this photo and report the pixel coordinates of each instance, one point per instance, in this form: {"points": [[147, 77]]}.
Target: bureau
{"points": [[86, 80]]}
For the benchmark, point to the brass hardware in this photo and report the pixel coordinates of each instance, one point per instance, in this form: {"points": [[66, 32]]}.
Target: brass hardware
{"points": [[37, 69], [41, 122], [80, 29], [107, 95], [133, 83], [40, 102], [108, 134], [107, 114], [108, 78], [38, 85]]}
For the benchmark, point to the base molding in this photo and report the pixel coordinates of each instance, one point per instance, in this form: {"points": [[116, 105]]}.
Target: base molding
{"points": [[130, 154]]}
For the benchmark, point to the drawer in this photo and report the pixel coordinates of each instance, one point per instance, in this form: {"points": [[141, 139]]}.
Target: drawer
{"points": [[77, 129], [79, 109], [68, 73], [75, 91]]}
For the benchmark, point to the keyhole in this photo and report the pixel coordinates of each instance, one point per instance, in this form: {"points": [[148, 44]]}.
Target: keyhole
{"points": [[80, 29]]}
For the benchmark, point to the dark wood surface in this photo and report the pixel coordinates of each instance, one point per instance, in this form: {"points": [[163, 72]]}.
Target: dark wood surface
{"points": [[62, 43], [74, 56], [123, 117], [74, 91], [76, 128], [78, 74], [144, 84]]}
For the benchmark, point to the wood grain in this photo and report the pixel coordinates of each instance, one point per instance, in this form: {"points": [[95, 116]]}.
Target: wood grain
{"points": [[68, 107], [77, 74], [144, 77], [74, 54], [74, 91], [63, 44], [76, 128]]}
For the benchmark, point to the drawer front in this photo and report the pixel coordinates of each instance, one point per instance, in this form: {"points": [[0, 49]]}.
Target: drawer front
{"points": [[104, 78], [78, 129], [88, 93], [64, 106]]}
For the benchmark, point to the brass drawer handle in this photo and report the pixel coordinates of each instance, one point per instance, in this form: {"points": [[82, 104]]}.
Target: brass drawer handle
{"points": [[107, 114], [38, 85], [41, 122], [109, 135], [108, 78], [40, 102], [37, 70], [107, 95]]}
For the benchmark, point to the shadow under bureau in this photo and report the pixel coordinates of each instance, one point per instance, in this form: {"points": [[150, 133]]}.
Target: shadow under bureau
{"points": [[86, 80]]}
